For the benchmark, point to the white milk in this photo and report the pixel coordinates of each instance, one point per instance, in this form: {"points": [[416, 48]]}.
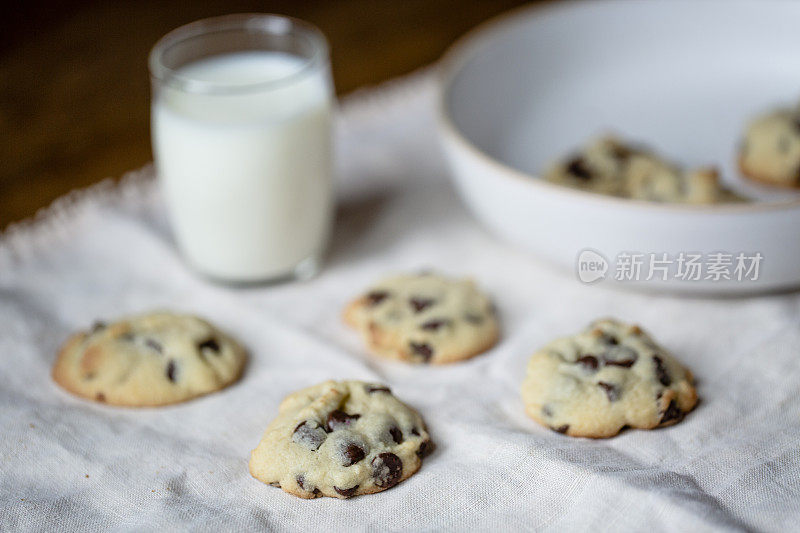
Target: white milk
{"points": [[247, 173]]}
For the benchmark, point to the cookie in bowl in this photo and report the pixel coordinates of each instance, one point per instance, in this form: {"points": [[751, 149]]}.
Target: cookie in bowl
{"points": [[611, 167], [340, 439], [609, 376], [424, 318], [149, 360], [770, 152]]}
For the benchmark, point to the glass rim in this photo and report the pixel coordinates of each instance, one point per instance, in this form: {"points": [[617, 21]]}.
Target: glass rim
{"points": [[246, 22]]}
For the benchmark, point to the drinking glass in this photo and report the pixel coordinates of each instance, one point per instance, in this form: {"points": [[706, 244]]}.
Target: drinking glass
{"points": [[241, 128]]}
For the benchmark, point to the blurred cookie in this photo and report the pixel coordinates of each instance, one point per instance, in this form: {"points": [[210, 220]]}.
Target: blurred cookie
{"points": [[608, 166], [607, 377], [424, 318], [770, 152], [149, 360], [340, 439]]}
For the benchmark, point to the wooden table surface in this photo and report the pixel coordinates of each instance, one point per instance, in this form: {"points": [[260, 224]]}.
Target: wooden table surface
{"points": [[74, 86]]}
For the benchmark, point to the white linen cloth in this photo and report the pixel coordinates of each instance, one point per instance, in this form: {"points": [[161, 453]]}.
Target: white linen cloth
{"points": [[66, 463]]}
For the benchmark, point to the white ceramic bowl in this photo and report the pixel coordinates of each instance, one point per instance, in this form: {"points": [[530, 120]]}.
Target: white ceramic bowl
{"points": [[681, 76]]}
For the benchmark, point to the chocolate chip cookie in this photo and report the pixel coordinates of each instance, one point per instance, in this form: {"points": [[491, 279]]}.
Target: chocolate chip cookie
{"points": [[424, 318], [340, 439], [607, 377], [770, 152], [609, 166], [148, 360]]}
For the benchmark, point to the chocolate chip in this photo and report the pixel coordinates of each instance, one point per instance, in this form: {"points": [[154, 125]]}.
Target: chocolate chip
{"points": [[352, 454], [376, 297], [423, 449], [625, 363], [415, 432], [209, 344], [387, 469], [620, 152], [127, 336], [340, 420], [100, 397], [673, 412], [546, 411], [420, 304], [661, 371], [301, 482], [155, 345], [561, 429], [577, 167], [611, 391], [99, 325], [610, 339], [435, 324], [423, 350], [171, 370], [473, 318], [396, 434], [309, 434], [589, 362], [378, 388], [346, 492]]}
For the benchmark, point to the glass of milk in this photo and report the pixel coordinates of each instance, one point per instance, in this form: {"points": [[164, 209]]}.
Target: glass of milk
{"points": [[241, 126]]}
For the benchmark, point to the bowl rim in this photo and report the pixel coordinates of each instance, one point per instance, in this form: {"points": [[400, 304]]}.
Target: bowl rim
{"points": [[466, 47]]}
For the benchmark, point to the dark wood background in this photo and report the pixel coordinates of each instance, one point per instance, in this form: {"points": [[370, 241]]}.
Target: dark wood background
{"points": [[74, 86]]}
